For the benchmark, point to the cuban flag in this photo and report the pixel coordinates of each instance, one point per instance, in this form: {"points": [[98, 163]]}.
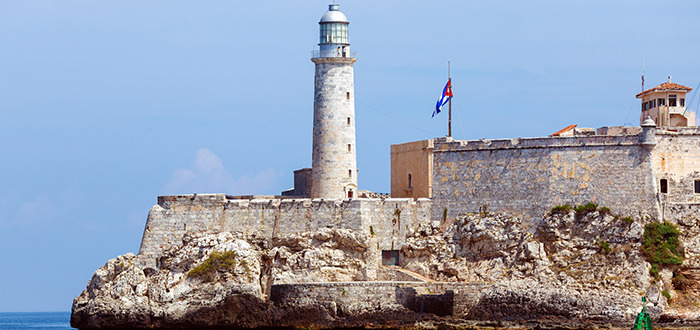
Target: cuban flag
{"points": [[444, 98]]}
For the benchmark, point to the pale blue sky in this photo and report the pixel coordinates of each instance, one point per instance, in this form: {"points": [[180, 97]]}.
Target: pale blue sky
{"points": [[104, 105]]}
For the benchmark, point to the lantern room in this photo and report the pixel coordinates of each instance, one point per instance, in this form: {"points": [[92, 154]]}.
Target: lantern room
{"points": [[333, 34]]}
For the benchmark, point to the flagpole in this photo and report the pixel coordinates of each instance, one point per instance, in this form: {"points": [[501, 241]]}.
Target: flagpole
{"points": [[449, 88]]}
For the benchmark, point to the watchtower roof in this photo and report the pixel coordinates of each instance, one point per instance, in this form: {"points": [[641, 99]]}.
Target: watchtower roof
{"points": [[666, 87]]}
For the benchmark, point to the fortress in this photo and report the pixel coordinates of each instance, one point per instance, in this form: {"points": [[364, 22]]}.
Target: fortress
{"points": [[650, 172]]}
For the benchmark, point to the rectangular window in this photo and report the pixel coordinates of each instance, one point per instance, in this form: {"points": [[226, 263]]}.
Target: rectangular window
{"points": [[653, 103], [664, 186], [348, 121], [348, 95], [661, 102], [671, 100], [390, 257], [697, 186], [349, 147], [350, 173], [682, 102]]}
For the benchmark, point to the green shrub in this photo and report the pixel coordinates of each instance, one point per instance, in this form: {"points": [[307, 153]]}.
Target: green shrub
{"points": [[604, 210], [604, 247], [661, 246], [217, 262], [680, 282], [586, 208], [654, 270], [666, 294], [561, 209], [371, 230], [628, 219]]}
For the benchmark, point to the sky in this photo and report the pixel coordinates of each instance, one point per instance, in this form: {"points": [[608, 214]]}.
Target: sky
{"points": [[105, 105]]}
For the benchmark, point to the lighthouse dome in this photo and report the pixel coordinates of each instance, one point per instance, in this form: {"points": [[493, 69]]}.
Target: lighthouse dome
{"points": [[334, 15]]}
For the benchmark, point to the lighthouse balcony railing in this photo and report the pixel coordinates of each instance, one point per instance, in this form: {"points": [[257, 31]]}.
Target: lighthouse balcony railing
{"points": [[347, 54]]}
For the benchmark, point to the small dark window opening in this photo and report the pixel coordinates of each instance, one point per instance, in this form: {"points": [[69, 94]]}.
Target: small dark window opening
{"points": [[661, 102], [671, 100], [664, 186], [390, 257], [348, 120], [409, 181], [697, 186], [682, 102], [349, 193], [348, 95], [349, 147], [350, 173]]}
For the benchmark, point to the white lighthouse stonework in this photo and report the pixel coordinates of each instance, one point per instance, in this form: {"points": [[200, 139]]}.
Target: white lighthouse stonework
{"points": [[334, 164]]}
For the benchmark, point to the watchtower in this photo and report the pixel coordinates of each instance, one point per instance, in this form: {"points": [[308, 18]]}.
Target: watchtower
{"points": [[334, 164], [665, 105]]}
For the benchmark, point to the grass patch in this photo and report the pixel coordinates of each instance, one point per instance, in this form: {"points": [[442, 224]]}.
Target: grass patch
{"points": [[666, 294], [628, 219], [604, 247], [661, 246], [217, 262], [371, 230], [586, 208], [561, 209], [604, 210]]}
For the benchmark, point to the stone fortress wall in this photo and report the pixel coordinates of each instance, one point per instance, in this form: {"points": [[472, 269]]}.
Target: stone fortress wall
{"points": [[441, 298], [388, 219], [529, 176], [524, 176]]}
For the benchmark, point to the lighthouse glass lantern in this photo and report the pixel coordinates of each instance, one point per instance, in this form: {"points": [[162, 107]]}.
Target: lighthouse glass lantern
{"points": [[333, 32]]}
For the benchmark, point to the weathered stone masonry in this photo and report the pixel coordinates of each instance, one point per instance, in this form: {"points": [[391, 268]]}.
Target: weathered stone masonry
{"points": [[351, 297], [389, 219], [334, 164], [527, 177]]}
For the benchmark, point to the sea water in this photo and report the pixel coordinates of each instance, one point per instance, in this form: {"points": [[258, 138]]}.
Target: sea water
{"points": [[35, 321]]}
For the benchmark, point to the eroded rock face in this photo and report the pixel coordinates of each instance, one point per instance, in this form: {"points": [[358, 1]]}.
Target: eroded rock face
{"points": [[560, 270], [583, 267], [122, 294]]}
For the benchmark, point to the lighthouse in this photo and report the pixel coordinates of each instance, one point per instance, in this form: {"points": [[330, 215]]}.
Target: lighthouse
{"points": [[334, 164]]}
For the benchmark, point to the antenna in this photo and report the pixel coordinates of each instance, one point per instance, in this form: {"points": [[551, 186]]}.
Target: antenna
{"points": [[643, 67]]}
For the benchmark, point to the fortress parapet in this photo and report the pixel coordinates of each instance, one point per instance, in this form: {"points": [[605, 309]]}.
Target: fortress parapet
{"points": [[635, 171], [387, 219]]}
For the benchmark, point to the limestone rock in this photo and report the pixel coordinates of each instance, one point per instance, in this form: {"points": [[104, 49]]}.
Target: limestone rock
{"points": [[582, 267]]}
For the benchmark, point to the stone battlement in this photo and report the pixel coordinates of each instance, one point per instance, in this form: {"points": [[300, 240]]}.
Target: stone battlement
{"points": [[448, 145], [389, 219]]}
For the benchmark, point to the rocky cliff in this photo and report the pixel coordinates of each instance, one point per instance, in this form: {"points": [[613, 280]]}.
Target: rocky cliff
{"points": [[574, 268]]}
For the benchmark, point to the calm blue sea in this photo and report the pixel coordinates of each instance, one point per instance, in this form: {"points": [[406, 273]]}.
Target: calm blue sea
{"points": [[32, 321]]}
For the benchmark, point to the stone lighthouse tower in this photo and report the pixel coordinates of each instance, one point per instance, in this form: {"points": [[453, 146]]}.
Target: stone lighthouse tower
{"points": [[334, 165]]}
